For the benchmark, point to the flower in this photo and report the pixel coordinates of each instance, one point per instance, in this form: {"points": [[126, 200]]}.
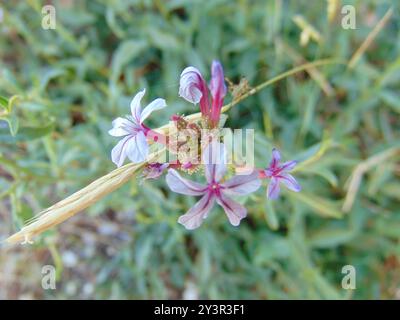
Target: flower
{"points": [[218, 91], [279, 173], [154, 170], [133, 132], [193, 88], [214, 190]]}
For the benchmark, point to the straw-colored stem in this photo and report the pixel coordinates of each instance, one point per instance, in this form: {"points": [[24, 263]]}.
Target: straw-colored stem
{"points": [[370, 38], [360, 170], [314, 73], [76, 202]]}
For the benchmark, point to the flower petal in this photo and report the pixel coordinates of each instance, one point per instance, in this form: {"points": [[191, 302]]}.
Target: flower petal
{"points": [[157, 104], [181, 185], [242, 184], [290, 182], [235, 211], [273, 189], [276, 157], [118, 153], [191, 85], [217, 83], [214, 160], [288, 166], [268, 173], [218, 92], [154, 170], [137, 148], [121, 127], [136, 109], [195, 216]]}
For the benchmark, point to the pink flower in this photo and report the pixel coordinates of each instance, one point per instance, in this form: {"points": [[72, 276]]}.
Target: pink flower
{"points": [[279, 173], [193, 88], [218, 91], [133, 132], [215, 190], [154, 170]]}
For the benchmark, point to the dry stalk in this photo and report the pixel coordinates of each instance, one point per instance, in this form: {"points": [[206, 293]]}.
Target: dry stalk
{"points": [[361, 169]]}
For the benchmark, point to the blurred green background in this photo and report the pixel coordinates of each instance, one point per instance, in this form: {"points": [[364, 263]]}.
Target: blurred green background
{"points": [[71, 83]]}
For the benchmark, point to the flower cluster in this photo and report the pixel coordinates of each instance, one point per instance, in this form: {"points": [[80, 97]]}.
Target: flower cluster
{"points": [[193, 88], [221, 184], [214, 190]]}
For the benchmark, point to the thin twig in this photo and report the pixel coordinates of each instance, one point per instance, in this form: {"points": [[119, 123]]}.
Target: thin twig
{"points": [[312, 71], [360, 170], [370, 38], [279, 77]]}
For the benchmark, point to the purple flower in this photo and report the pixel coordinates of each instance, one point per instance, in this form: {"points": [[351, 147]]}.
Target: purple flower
{"points": [[215, 190], [154, 170], [218, 91], [193, 88], [133, 132], [279, 173]]}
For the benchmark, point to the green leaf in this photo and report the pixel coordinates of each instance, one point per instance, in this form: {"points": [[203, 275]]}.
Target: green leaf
{"points": [[162, 40], [278, 248], [321, 206], [391, 99], [323, 172], [8, 104], [328, 238], [270, 215], [4, 102], [125, 53], [48, 75], [12, 121], [26, 133], [12, 101]]}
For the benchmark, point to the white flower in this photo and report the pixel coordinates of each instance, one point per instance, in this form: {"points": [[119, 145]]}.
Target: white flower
{"points": [[192, 85], [133, 132]]}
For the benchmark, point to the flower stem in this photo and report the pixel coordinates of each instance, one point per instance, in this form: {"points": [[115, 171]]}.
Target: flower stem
{"points": [[279, 77], [253, 91]]}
